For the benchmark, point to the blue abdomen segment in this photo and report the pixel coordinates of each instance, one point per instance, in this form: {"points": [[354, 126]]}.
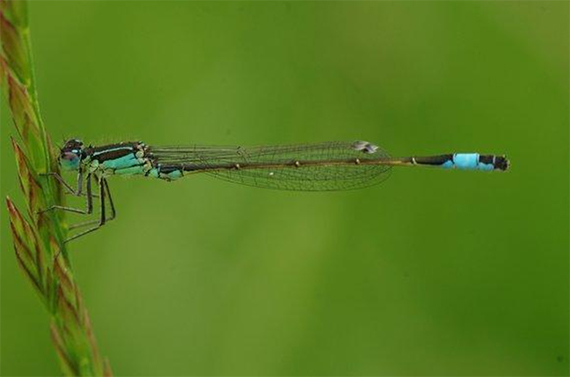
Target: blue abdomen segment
{"points": [[475, 161], [462, 161]]}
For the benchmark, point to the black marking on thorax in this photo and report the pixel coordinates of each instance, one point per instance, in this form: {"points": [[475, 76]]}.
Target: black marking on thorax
{"points": [[112, 151]]}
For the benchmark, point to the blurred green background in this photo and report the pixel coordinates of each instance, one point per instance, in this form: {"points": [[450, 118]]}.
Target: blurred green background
{"points": [[432, 273]]}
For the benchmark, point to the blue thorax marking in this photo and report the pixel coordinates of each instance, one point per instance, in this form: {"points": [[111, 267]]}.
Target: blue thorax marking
{"points": [[122, 162], [133, 170]]}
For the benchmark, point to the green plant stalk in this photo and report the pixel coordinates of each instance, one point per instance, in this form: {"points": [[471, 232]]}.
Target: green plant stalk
{"points": [[39, 237]]}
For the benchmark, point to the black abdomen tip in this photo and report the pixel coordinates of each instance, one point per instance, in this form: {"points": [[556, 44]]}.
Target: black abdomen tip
{"points": [[501, 163], [492, 162]]}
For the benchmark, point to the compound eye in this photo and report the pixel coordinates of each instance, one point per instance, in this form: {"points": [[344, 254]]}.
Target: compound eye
{"points": [[69, 156]]}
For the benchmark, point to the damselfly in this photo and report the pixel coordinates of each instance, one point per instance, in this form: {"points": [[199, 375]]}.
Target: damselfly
{"points": [[326, 166]]}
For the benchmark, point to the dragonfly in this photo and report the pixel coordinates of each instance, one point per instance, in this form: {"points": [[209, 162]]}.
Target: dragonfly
{"points": [[327, 166]]}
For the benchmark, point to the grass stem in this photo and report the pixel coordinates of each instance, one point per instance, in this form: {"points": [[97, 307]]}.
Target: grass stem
{"points": [[38, 236]]}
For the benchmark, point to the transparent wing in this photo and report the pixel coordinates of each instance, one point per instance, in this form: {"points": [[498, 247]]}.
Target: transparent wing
{"points": [[305, 167]]}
